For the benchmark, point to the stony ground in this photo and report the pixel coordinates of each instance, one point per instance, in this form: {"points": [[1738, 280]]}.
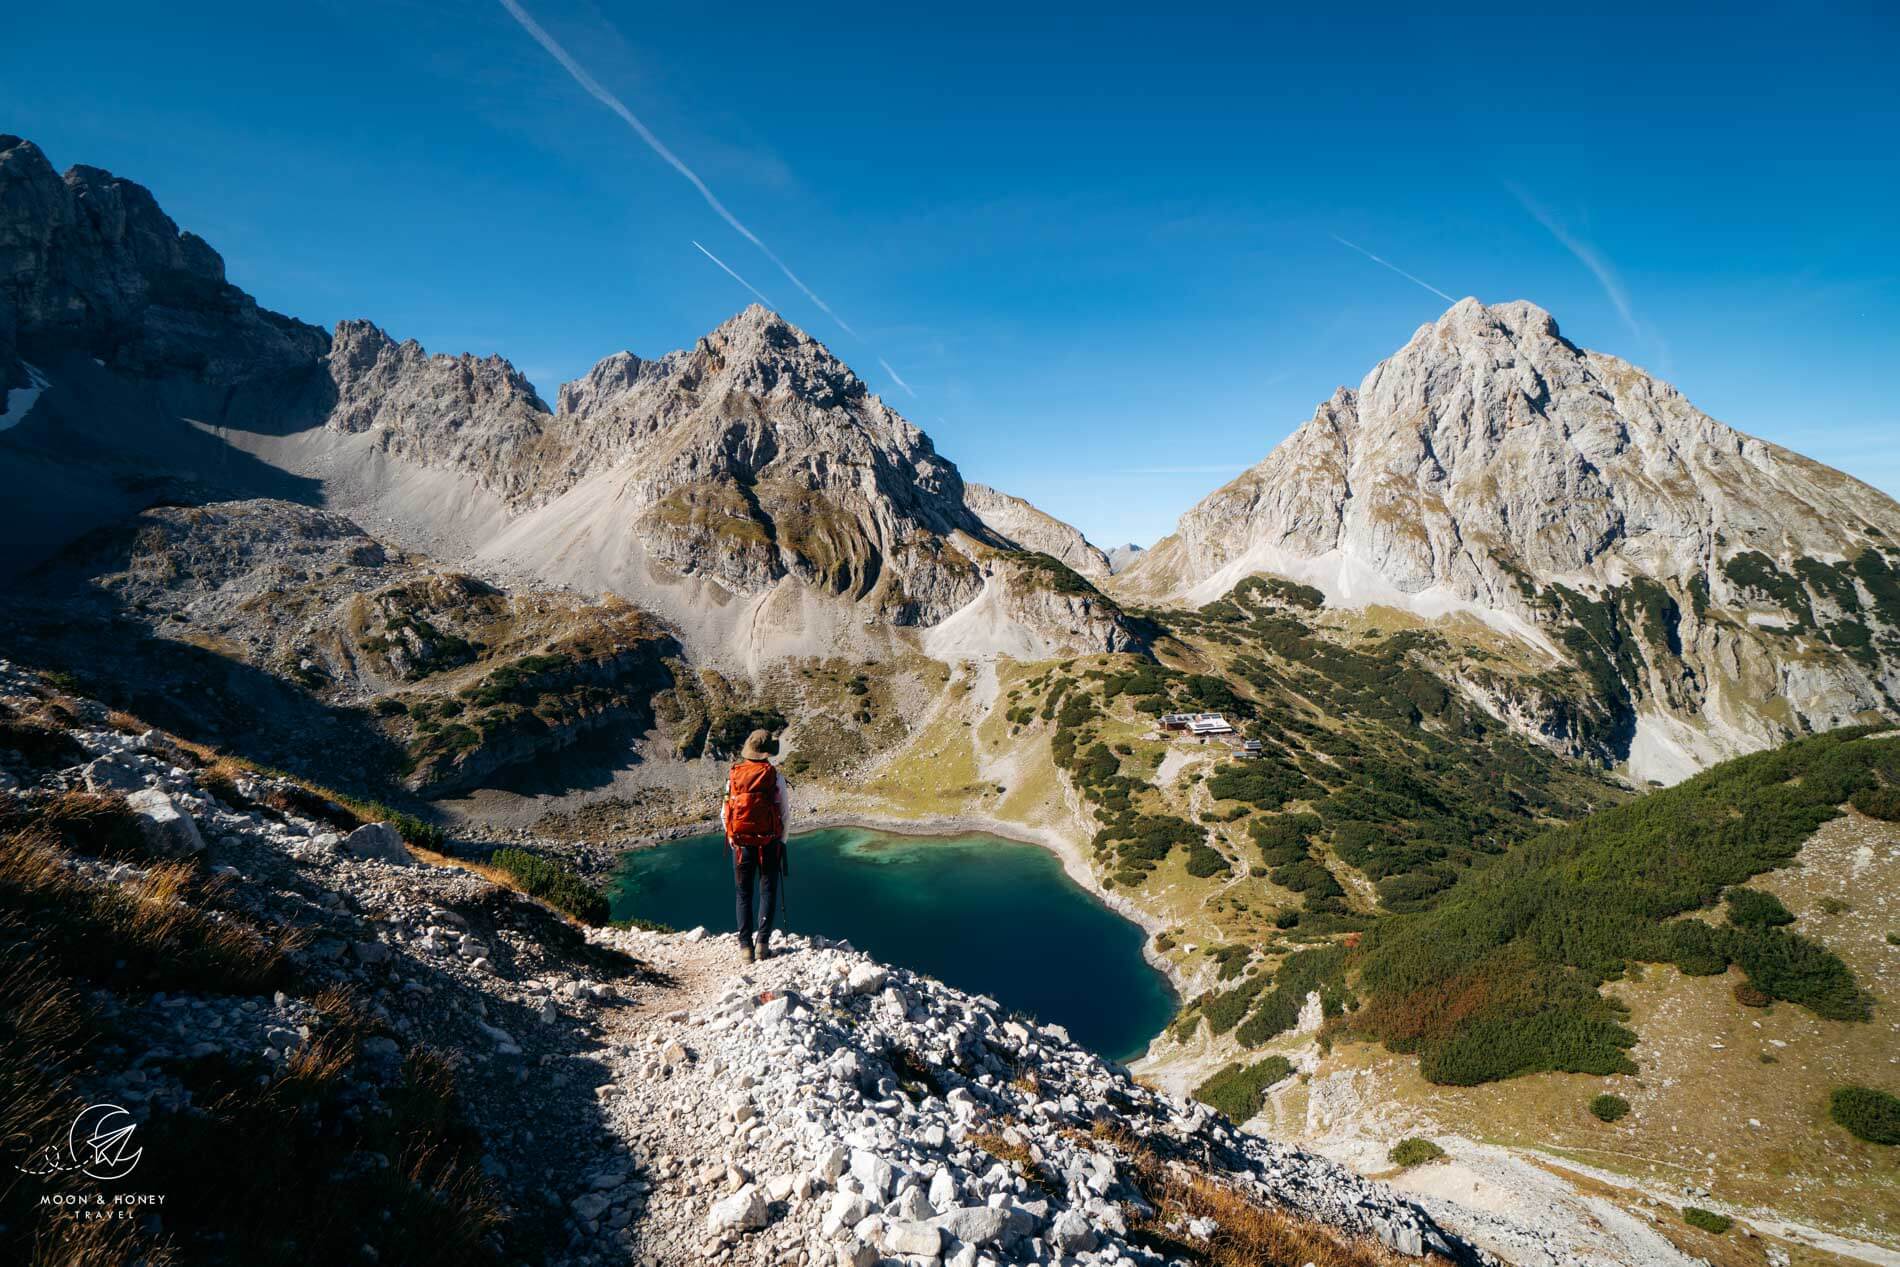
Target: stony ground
{"points": [[819, 1104]]}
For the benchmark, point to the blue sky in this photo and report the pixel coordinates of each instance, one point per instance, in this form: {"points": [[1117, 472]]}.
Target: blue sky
{"points": [[1099, 244]]}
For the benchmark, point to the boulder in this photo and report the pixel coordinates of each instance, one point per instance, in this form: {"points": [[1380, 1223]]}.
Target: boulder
{"points": [[109, 774], [873, 1172], [848, 1209], [168, 830], [974, 1224], [905, 1236], [743, 1211], [376, 840], [1071, 1232]]}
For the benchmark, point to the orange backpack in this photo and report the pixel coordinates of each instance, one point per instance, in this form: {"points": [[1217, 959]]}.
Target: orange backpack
{"points": [[752, 817]]}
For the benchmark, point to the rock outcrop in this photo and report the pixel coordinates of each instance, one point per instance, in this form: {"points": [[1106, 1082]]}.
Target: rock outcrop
{"points": [[1723, 592], [1032, 529], [90, 264]]}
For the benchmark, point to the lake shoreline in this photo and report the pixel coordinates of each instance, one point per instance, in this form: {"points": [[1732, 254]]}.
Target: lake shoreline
{"points": [[947, 828], [1074, 864]]}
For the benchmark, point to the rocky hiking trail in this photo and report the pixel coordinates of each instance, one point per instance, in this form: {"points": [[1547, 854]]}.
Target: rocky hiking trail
{"points": [[809, 1108]]}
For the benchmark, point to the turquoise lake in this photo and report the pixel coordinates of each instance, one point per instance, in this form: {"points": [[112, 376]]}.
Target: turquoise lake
{"points": [[986, 915]]}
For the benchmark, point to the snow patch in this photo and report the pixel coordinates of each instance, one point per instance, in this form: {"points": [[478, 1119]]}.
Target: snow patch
{"points": [[20, 400]]}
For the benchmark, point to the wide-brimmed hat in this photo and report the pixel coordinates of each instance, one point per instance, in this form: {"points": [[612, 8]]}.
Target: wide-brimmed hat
{"points": [[759, 745]]}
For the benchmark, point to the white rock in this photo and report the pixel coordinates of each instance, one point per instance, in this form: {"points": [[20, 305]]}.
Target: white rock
{"points": [[376, 840], [904, 1236], [743, 1211], [1072, 1233], [873, 1172], [168, 831]]}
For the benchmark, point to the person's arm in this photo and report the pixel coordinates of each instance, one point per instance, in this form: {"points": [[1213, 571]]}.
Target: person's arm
{"points": [[784, 808], [725, 813]]}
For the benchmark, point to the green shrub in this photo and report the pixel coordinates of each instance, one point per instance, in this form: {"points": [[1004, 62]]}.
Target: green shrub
{"points": [[1754, 909], [1707, 1220], [637, 923], [1225, 1009], [1609, 1108], [1867, 1114], [1239, 1090], [1879, 802], [1321, 968], [1204, 861], [1502, 974], [1414, 1152], [553, 883]]}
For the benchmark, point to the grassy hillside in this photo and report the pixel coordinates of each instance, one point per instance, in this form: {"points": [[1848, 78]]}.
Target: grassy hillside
{"points": [[1503, 976]]}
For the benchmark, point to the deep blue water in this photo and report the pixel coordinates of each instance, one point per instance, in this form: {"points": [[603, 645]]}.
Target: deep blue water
{"points": [[986, 915]]}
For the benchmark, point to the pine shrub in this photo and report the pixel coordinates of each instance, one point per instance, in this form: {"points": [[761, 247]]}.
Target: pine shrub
{"points": [[1239, 1090], [553, 883], [1414, 1152], [1609, 1108], [1867, 1114]]}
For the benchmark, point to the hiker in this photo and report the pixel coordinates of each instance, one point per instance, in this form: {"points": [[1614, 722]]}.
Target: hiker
{"points": [[754, 816]]}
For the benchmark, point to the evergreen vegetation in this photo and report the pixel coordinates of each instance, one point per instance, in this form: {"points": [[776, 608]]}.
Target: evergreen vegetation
{"points": [[1867, 1114], [553, 883], [1239, 1090], [1501, 977], [1411, 1152], [1609, 1108], [1708, 1220], [1321, 968], [1751, 908]]}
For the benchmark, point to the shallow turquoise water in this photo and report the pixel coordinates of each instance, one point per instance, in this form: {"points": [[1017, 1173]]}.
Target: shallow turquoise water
{"points": [[986, 915]]}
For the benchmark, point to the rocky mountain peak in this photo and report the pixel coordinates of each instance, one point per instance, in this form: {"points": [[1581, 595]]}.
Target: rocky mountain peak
{"points": [[1493, 466]]}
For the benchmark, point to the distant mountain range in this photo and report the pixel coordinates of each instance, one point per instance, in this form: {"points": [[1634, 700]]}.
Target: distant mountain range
{"points": [[1712, 592], [750, 489]]}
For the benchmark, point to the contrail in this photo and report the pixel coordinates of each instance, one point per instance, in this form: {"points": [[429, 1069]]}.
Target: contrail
{"points": [[742, 281], [1375, 259], [899, 377], [1587, 256], [613, 103]]}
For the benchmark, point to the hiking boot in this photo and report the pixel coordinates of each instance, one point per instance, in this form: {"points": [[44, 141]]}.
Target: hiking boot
{"points": [[765, 947], [745, 949]]}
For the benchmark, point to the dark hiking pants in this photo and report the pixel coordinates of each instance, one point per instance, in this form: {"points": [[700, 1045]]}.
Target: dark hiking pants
{"points": [[757, 875]]}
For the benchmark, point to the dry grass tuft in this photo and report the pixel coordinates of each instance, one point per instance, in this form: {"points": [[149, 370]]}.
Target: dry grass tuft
{"points": [[1251, 1232], [155, 931], [98, 824], [43, 743]]}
